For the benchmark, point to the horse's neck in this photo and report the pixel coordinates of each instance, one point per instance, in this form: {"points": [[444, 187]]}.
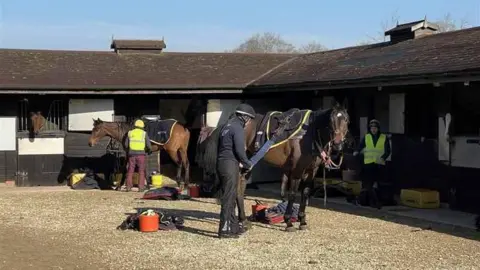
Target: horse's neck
{"points": [[321, 117], [117, 131], [47, 125]]}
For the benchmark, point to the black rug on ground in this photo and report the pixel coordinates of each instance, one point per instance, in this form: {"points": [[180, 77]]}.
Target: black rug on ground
{"points": [[159, 131], [165, 222], [164, 193], [273, 120], [89, 181]]}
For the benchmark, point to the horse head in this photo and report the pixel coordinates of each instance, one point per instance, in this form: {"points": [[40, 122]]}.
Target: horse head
{"points": [[38, 121], [98, 132], [339, 120], [332, 125]]}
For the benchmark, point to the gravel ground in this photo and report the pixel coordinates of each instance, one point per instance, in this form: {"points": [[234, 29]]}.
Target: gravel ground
{"points": [[63, 229]]}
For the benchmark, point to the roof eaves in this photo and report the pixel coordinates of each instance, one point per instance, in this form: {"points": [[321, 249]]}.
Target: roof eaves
{"points": [[444, 77], [128, 89]]}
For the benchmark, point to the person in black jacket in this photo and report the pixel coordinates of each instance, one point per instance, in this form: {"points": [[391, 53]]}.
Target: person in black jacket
{"points": [[231, 158]]}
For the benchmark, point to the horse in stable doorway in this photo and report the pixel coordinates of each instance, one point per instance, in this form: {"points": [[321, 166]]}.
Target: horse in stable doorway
{"points": [[297, 150]]}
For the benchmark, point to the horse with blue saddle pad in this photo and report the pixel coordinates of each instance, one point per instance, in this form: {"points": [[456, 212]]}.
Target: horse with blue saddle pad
{"points": [[298, 141]]}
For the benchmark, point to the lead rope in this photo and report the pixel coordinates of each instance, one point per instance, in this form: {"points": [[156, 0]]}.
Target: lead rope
{"points": [[324, 189]]}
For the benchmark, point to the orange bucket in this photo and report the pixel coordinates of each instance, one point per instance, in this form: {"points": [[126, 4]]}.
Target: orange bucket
{"points": [[194, 191], [148, 223]]}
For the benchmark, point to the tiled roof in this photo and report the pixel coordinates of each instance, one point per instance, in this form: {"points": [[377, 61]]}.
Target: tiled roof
{"points": [[435, 54], [37, 69]]}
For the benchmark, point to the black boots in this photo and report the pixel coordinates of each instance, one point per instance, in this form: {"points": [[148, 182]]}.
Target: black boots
{"points": [[229, 230]]}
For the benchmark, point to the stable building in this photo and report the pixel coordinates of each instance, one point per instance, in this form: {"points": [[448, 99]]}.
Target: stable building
{"points": [[420, 85]]}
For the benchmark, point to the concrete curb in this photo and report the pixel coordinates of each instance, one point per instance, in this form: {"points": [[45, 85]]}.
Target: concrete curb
{"points": [[345, 205]]}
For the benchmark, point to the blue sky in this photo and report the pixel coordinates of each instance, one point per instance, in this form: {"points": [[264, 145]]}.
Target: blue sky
{"points": [[208, 25]]}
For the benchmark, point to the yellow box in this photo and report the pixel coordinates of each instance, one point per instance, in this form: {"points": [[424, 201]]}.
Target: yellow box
{"points": [[355, 186], [157, 180], [76, 177], [118, 178], [420, 198]]}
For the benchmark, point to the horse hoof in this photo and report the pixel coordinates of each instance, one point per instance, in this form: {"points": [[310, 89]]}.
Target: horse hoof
{"points": [[290, 229], [247, 225], [303, 227]]}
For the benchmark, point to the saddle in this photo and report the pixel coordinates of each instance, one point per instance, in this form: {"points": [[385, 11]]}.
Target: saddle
{"points": [[281, 126]]}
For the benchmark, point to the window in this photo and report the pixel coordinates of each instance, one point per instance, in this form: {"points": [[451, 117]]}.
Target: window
{"points": [[51, 110]]}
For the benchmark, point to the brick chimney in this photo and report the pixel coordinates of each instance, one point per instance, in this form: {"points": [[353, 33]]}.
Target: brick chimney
{"points": [[137, 46], [411, 30]]}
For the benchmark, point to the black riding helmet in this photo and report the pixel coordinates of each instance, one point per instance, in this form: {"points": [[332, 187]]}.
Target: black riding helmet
{"points": [[245, 109]]}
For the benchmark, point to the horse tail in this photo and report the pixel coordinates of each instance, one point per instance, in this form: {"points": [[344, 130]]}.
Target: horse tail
{"points": [[206, 158]]}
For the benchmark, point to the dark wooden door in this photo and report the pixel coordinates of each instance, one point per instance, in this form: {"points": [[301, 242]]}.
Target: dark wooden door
{"points": [[8, 165], [42, 170]]}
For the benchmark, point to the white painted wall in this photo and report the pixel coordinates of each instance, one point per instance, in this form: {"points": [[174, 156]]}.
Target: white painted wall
{"points": [[82, 111], [443, 144], [396, 118], [8, 134], [41, 146], [466, 154], [218, 110]]}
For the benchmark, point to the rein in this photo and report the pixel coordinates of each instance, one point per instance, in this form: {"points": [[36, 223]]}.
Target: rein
{"points": [[327, 166]]}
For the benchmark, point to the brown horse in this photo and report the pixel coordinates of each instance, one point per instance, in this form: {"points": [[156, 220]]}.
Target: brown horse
{"points": [[176, 146], [326, 131], [40, 123]]}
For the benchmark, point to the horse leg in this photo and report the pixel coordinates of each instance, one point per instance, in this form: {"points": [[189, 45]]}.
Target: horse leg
{"points": [[293, 180], [185, 165], [284, 186], [306, 188], [293, 183], [242, 217], [175, 156]]}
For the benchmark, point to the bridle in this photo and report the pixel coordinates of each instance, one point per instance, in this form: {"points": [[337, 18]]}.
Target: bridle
{"points": [[329, 146]]}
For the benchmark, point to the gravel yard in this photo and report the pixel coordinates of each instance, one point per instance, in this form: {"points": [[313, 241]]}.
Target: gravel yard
{"points": [[56, 228]]}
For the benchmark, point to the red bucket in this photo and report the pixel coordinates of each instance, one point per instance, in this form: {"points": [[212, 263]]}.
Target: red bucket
{"points": [[194, 191], [148, 223]]}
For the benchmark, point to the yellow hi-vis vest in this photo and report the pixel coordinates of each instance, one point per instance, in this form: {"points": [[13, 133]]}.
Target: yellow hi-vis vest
{"points": [[136, 139], [373, 153]]}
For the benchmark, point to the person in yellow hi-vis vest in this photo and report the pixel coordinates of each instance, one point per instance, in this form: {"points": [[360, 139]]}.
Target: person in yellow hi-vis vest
{"points": [[375, 147], [138, 144]]}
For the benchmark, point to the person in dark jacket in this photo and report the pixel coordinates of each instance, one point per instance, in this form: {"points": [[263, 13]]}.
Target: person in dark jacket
{"points": [[138, 144], [231, 158], [376, 149]]}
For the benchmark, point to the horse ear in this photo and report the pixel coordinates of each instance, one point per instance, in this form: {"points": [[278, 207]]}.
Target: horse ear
{"points": [[39, 113]]}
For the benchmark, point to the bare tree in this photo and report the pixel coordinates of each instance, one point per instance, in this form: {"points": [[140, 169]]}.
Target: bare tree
{"points": [[273, 43], [265, 43], [311, 47], [445, 24]]}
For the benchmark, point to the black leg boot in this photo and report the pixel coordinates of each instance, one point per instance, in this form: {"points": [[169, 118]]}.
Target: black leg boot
{"points": [[226, 231]]}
